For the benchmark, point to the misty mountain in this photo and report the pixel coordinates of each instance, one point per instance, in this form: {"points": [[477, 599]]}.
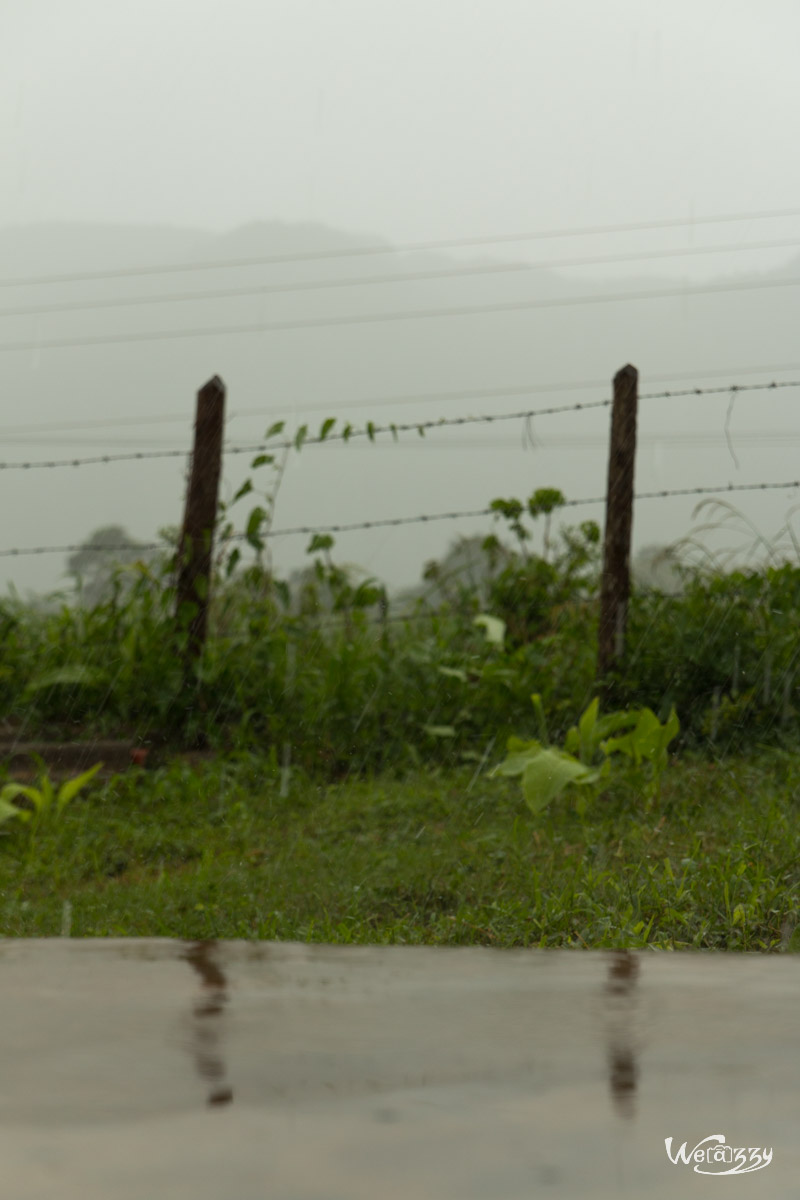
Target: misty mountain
{"points": [[408, 367]]}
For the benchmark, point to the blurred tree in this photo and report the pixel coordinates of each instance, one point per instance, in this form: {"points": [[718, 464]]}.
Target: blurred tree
{"points": [[470, 565], [93, 567]]}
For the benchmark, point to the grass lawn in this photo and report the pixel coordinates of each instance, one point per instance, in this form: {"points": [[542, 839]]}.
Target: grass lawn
{"points": [[217, 852]]}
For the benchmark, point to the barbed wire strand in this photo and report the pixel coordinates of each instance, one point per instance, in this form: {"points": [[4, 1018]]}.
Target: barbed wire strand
{"points": [[313, 440], [385, 522], [397, 428]]}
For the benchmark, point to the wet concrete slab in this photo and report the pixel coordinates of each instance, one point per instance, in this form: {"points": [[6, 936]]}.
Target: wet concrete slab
{"points": [[132, 1070]]}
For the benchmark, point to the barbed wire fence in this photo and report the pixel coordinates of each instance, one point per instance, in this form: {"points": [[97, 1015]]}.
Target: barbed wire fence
{"points": [[773, 669]]}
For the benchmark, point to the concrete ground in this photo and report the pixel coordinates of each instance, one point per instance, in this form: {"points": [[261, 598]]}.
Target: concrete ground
{"points": [[161, 1070]]}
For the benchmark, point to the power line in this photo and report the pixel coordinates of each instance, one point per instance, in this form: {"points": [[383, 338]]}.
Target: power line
{"points": [[388, 317], [423, 518], [403, 248], [374, 280]]}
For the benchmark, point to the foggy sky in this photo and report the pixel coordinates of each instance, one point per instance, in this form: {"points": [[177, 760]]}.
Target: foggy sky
{"points": [[411, 121], [425, 118]]}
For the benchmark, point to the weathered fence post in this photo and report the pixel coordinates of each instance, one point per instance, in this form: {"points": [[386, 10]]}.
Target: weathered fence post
{"points": [[615, 586], [195, 546]]}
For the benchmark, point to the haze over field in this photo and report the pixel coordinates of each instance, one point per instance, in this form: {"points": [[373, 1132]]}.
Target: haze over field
{"points": [[157, 135]]}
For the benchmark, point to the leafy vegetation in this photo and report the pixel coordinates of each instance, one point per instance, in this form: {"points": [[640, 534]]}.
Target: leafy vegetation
{"points": [[45, 802], [353, 681], [436, 857], [353, 737], [546, 771]]}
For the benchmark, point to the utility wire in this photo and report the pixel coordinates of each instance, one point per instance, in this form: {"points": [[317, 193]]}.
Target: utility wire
{"points": [[424, 518], [418, 314], [373, 280], [404, 248]]}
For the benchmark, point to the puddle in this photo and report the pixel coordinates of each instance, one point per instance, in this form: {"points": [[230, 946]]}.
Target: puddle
{"points": [[136, 1069]]}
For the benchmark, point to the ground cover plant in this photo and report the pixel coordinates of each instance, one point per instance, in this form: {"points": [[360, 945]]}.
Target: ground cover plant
{"points": [[440, 856], [389, 685], [355, 736]]}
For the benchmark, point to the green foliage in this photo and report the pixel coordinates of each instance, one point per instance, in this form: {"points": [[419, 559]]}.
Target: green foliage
{"points": [[531, 592], [47, 803], [219, 851], [352, 680], [724, 653], [547, 771]]}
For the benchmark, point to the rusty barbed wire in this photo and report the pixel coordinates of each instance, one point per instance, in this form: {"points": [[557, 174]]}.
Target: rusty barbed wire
{"points": [[384, 522], [372, 430]]}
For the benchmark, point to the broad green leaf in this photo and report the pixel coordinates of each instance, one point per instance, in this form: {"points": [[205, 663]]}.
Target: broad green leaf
{"points": [[9, 811], [614, 721], [11, 790], [640, 738], [519, 755], [648, 740], [326, 427], [70, 789], [549, 773], [517, 745], [300, 436], [274, 429], [586, 738], [263, 460]]}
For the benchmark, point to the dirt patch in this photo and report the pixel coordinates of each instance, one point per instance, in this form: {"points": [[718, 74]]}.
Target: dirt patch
{"points": [[66, 759]]}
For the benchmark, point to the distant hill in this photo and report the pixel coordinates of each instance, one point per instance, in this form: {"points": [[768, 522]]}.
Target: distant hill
{"points": [[377, 364]]}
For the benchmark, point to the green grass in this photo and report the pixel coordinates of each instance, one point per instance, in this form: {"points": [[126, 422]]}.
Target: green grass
{"points": [[218, 853]]}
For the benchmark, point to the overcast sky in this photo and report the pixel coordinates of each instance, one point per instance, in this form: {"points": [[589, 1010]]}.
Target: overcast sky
{"points": [[411, 120]]}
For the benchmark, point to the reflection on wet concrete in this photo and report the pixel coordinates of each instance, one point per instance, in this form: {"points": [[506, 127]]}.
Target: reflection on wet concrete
{"points": [[623, 974], [207, 1014], [394, 1072]]}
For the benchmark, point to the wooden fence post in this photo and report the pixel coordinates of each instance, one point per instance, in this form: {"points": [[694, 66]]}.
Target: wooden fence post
{"points": [[195, 546], [615, 586]]}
